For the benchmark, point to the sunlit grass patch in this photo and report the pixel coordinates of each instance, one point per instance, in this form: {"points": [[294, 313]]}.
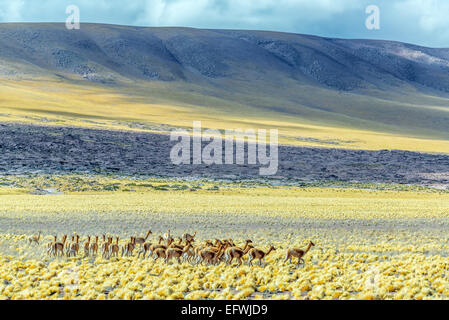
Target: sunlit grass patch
{"points": [[51, 102]]}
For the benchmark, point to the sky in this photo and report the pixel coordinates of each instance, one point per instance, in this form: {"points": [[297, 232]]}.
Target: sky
{"points": [[423, 22]]}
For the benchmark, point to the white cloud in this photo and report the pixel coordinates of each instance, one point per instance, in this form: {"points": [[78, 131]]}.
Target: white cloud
{"points": [[252, 13], [424, 20], [11, 10], [151, 14], [432, 15]]}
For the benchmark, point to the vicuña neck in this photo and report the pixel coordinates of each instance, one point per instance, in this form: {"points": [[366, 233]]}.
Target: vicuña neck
{"points": [[308, 248]]}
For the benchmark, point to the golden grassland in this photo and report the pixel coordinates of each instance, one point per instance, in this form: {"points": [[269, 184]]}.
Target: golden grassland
{"points": [[329, 204], [106, 195], [53, 103], [399, 269], [370, 244]]}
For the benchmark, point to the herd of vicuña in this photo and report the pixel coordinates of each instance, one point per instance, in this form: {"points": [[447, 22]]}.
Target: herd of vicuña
{"points": [[166, 248]]}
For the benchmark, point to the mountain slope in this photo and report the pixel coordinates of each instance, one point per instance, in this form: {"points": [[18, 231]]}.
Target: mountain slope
{"points": [[379, 86]]}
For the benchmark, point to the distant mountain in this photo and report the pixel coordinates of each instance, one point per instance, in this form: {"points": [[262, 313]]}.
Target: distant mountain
{"points": [[359, 83], [108, 52]]}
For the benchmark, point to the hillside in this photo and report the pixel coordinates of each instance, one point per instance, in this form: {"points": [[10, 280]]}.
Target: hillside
{"points": [[317, 91]]}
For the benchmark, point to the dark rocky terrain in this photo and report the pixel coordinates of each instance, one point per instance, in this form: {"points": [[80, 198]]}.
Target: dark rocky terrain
{"points": [[29, 149]]}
